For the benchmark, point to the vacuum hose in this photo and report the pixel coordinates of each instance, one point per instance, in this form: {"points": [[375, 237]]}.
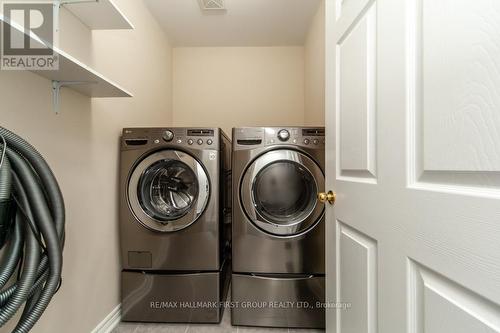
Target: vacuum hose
{"points": [[32, 221]]}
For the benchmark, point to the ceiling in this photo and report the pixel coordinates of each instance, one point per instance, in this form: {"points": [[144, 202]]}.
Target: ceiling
{"points": [[244, 23]]}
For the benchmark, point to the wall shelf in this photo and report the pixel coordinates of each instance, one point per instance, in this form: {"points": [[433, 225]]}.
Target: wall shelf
{"points": [[71, 70], [72, 73], [98, 14]]}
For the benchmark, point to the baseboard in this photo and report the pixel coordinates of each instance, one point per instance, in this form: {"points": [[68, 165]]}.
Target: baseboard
{"points": [[110, 322]]}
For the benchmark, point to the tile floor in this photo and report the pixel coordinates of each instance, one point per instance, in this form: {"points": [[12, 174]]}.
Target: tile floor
{"points": [[223, 327]]}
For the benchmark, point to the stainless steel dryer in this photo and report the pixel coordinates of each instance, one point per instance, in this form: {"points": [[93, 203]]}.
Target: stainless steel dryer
{"points": [[278, 227], [175, 234]]}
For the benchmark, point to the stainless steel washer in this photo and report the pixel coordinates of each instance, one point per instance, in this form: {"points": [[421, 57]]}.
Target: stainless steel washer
{"points": [[168, 190], [278, 226], [175, 235]]}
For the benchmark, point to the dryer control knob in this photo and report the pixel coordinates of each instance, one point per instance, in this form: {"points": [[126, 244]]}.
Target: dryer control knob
{"points": [[283, 135], [168, 135]]}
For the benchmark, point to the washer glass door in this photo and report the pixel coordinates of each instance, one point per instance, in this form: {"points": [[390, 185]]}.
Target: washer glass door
{"points": [[278, 192], [168, 190]]}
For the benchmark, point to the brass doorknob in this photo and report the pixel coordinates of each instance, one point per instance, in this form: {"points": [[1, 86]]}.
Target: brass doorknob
{"points": [[324, 197]]}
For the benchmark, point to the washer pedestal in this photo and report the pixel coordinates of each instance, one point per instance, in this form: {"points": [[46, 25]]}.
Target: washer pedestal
{"points": [[174, 297]]}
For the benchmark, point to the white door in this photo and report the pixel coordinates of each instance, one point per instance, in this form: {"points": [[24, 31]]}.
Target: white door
{"points": [[413, 153]]}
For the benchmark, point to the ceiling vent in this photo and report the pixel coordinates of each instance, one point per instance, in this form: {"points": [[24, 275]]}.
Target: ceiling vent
{"points": [[212, 4]]}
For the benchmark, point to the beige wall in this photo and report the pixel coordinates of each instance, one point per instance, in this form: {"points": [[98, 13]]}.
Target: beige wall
{"points": [[81, 144], [225, 87], [314, 51], [238, 86]]}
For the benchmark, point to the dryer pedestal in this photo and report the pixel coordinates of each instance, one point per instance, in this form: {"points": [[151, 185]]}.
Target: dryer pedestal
{"points": [[174, 298], [278, 300]]}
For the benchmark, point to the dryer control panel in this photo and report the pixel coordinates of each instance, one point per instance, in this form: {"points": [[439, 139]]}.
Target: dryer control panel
{"points": [[252, 137]]}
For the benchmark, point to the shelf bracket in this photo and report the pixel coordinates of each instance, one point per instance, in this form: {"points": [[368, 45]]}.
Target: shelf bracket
{"points": [[57, 8], [56, 91], [69, 2]]}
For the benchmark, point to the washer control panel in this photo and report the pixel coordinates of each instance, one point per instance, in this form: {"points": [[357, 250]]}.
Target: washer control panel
{"points": [[199, 138]]}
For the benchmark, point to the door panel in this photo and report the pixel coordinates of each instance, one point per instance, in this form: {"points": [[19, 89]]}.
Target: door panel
{"points": [[356, 107], [357, 280], [413, 153], [459, 79], [434, 299], [453, 94], [348, 10]]}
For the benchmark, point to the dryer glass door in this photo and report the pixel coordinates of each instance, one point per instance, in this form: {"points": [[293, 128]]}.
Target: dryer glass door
{"points": [[168, 190], [278, 192], [284, 192]]}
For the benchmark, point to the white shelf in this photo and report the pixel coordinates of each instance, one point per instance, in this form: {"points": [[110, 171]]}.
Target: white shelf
{"points": [[91, 83], [98, 14], [71, 70]]}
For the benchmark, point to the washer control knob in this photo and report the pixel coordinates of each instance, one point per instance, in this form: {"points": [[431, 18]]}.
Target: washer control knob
{"points": [[190, 142], [315, 141], [209, 142], [306, 141], [200, 142], [283, 135], [168, 135]]}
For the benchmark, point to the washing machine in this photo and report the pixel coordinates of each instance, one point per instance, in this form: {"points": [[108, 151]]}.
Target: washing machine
{"points": [[175, 223], [278, 234]]}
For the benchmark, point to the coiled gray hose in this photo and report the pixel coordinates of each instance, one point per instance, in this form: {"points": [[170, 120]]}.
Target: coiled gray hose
{"points": [[38, 231]]}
